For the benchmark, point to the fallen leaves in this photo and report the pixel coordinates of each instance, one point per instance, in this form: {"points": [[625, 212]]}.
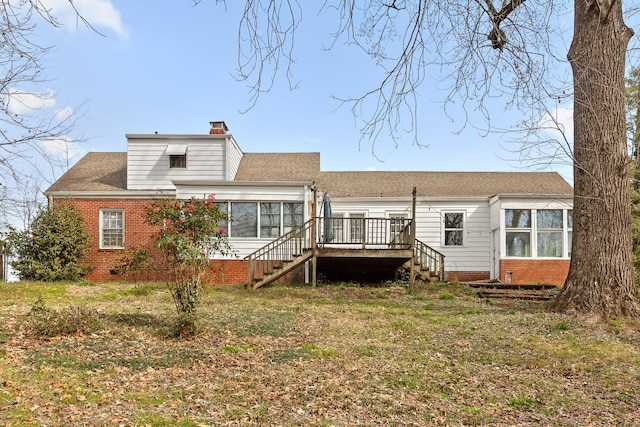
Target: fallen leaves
{"points": [[330, 356]]}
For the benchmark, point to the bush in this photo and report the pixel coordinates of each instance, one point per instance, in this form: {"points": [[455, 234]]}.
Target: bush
{"points": [[47, 323], [188, 236], [54, 247]]}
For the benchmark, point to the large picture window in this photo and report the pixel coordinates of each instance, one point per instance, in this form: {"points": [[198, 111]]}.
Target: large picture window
{"points": [[540, 233], [244, 219], [454, 228], [112, 229], [266, 220]]}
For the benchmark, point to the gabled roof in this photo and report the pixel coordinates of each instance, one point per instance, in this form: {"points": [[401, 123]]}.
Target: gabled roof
{"points": [[108, 172], [441, 184], [278, 167], [95, 172]]}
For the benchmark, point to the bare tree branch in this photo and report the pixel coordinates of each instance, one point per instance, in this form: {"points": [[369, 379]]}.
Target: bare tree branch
{"points": [[27, 121]]}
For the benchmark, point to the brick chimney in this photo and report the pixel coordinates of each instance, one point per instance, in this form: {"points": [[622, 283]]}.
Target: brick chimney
{"points": [[218, 128]]}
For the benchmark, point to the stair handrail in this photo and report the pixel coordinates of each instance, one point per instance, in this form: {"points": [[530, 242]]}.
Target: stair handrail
{"points": [[284, 248], [429, 258]]}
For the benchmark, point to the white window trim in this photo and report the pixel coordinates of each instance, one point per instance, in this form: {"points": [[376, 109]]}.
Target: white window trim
{"points": [[533, 230], [258, 218], [464, 228], [102, 211]]}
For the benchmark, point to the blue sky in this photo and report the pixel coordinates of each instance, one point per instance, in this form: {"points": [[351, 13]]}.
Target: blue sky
{"points": [[167, 67]]}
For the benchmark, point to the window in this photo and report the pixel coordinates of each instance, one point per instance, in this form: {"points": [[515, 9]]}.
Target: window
{"points": [[454, 228], [337, 227], [356, 226], [396, 224], [112, 228], [518, 232], [265, 220], [178, 161], [538, 233], [292, 216], [223, 208], [269, 219], [177, 155], [549, 236], [244, 219]]}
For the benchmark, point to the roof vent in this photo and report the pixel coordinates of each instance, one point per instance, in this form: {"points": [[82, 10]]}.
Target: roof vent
{"points": [[218, 128]]}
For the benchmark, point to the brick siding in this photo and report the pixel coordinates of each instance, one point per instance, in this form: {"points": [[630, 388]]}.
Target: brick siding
{"points": [[137, 233], [524, 271], [466, 276]]}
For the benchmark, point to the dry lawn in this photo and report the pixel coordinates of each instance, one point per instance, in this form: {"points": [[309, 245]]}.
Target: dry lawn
{"points": [[339, 355]]}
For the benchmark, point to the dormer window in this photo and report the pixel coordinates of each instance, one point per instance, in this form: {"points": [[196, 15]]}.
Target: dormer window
{"points": [[178, 161], [177, 155]]}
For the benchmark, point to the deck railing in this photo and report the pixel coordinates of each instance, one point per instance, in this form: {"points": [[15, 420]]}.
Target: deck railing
{"points": [[367, 233], [364, 232], [284, 249]]}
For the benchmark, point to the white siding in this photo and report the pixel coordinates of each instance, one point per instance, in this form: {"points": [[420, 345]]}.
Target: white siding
{"points": [[249, 193], [148, 165], [234, 155], [500, 203], [230, 193], [474, 255]]}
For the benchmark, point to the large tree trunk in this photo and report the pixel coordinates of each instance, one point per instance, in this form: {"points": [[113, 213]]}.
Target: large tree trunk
{"points": [[601, 276]]}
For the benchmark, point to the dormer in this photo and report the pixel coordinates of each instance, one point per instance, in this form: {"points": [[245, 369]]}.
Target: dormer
{"points": [[155, 160]]}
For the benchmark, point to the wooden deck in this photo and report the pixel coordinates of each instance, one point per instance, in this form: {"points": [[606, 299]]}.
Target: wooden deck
{"points": [[345, 249]]}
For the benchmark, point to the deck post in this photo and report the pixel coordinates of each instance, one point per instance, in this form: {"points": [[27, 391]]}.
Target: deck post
{"points": [[412, 241], [251, 270], [313, 231]]}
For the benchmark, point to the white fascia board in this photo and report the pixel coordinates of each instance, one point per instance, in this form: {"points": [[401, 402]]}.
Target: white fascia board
{"points": [[180, 137], [129, 194], [511, 196], [419, 199], [242, 183]]}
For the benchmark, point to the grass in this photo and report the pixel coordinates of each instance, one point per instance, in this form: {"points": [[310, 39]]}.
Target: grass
{"points": [[293, 355]]}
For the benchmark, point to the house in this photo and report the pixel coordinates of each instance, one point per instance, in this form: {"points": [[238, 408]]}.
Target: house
{"points": [[511, 226]]}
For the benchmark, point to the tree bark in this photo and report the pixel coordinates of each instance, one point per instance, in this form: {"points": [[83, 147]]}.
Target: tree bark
{"points": [[601, 276]]}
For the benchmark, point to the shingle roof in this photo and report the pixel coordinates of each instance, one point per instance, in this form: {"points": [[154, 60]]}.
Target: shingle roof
{"points": [[95, 172], [108, 172], [441, 184], [278, 167]]}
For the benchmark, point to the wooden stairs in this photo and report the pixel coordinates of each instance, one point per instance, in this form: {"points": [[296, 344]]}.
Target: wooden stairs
{"points": [[374, 245], [494, 289]]}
